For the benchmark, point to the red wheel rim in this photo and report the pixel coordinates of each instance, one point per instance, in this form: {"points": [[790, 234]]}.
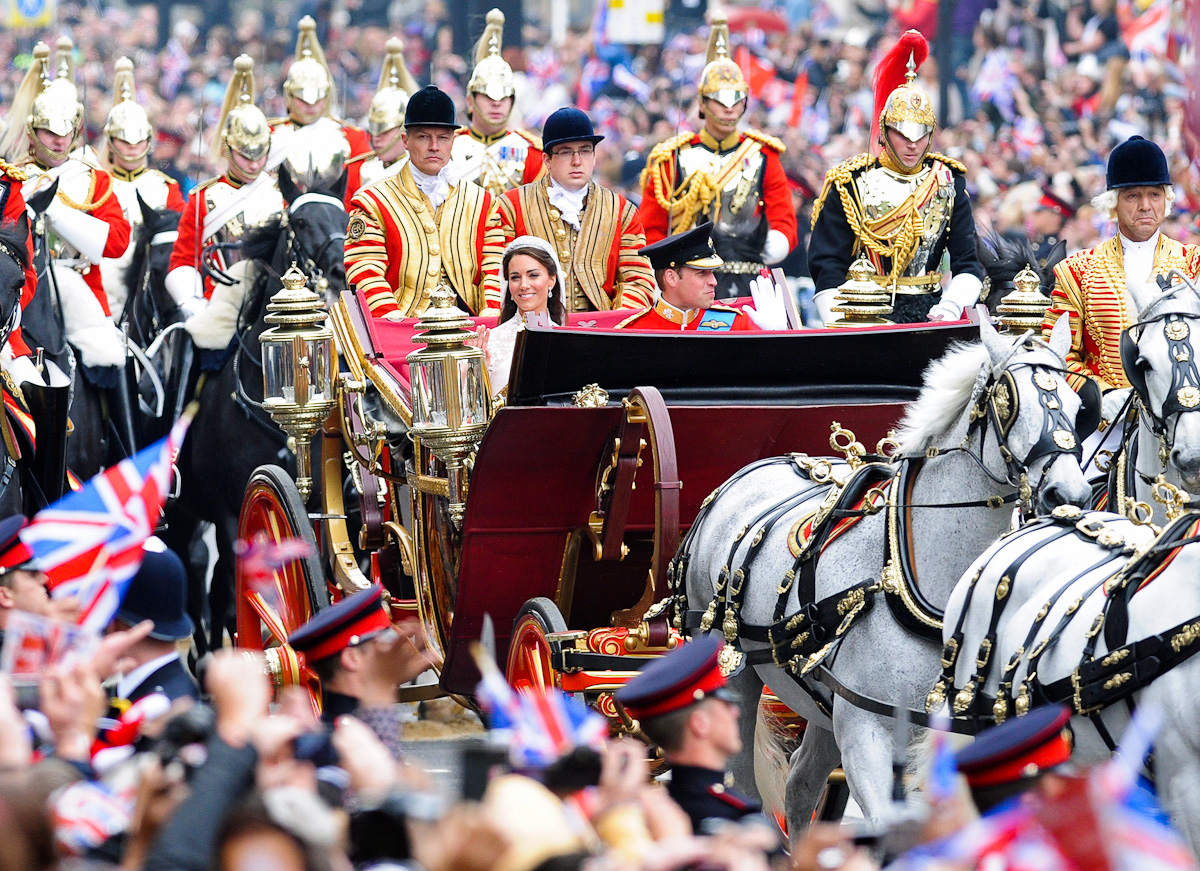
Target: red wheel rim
{"points": [[529, 656]]}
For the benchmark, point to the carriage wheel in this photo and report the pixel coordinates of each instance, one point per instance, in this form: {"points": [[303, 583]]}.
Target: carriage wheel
{"points": [[269, 610], [529, 651]]}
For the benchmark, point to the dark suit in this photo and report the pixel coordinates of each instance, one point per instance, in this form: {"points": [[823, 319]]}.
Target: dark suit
{"points": [[172, 680], [702, 794]]}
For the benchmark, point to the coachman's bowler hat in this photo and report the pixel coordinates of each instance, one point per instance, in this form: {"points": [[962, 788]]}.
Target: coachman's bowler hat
{"points": [[430, 107], [1137, 162], [158, 592], [566, 125]]}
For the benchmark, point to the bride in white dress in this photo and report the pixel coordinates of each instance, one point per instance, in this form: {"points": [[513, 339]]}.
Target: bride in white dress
{"points": [[532, 295]]}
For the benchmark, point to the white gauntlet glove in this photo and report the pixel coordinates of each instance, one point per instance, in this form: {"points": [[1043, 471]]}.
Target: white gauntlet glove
{"points": [[962, 291], [775, 248], [184, 283], [84, 233], [768, 311]]}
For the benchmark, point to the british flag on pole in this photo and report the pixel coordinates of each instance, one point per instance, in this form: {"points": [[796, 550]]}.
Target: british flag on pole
{"points": [[89, 543]]}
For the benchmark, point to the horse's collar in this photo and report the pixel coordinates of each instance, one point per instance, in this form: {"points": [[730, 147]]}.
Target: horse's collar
{"points": [[315, 197]]}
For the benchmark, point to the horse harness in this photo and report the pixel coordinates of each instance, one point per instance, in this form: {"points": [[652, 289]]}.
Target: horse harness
{"points": [[802, 643]]}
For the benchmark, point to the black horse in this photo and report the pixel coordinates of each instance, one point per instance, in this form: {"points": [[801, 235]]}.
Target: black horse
{"points": [[231, 435]]}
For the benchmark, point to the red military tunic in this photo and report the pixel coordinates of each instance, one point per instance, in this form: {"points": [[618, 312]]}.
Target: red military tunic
{"points": [[90, 189], [497, 163], [664, 211], [664, 316], [12, 211]]}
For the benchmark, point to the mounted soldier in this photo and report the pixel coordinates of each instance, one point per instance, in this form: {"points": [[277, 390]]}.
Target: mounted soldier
{"points": [[310, 124], [83, 223], [385, 119], [486, 151], [222, 209], [733, 179], [128, 133], [901, 208]]}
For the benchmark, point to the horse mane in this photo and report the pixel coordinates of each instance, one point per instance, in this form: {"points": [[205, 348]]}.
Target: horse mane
{"points": [[15, 234], [164, 219], [259, 243], [947, 389]]}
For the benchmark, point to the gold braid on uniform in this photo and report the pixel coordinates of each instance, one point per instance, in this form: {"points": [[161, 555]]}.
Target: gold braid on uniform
{"points": [[949, 161], [766, 139], [12, 171], [88, 204], [840, 175], [691, 201]]}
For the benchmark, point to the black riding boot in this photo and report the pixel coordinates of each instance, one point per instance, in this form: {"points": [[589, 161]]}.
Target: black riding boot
{"points": [[121, 413], [49, 407]]}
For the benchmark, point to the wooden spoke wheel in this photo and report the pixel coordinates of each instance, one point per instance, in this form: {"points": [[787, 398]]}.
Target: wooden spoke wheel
{"points": [[270, 607], [529, 650]]}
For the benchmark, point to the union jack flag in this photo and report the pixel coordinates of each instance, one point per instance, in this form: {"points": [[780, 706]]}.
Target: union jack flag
{"points": [[89, 543]]}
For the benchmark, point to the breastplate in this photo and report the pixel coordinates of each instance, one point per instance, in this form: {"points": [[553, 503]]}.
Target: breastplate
{"points": [[153, 190], [74, 188], [497, 167], [256, 210], [880, 191], [739, 231], [373, 170]]}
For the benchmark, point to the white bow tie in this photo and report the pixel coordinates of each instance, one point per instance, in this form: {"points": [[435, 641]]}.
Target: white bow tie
{"points": [[436, 187], [568, 203]]}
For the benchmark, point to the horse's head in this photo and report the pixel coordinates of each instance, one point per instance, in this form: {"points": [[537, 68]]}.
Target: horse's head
{"points": [[1039, 422], [1160, 362], [316, 223], [151, 247], [14, 257]]}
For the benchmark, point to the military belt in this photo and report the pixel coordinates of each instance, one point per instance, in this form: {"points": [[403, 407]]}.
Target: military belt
{"points": [[739, 267], [914, 285]]}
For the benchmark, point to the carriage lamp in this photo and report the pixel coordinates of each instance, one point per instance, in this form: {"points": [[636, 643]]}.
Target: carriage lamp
{"points": [[298, 368], [860, 300], [1024, 308], [451, 397]]}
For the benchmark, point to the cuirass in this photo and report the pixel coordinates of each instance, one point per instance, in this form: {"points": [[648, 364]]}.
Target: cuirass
{"points": [[74, 187], [497, 167], [150, 185], [739, 231], [373, 170], [259, 209], [880, 191]]}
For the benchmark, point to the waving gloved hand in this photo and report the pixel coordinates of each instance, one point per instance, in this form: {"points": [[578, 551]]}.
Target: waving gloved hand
{"points": [[768, 311], [1111, 404]]}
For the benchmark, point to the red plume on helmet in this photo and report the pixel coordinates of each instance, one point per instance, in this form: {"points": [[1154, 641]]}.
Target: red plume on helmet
{"points": [[891, 69]]}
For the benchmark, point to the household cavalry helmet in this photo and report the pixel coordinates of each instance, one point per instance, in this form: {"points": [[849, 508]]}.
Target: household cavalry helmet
{"points": [[900, 103], [722, 79], [308, 78], [243, 127], [127, 120], [46, 100], [396, 85], [492, 77]]}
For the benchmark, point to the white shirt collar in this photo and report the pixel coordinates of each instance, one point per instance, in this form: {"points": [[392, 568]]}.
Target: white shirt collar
{"points": [[568, 203], [1140, 247], [130, 682], [436, 187]]}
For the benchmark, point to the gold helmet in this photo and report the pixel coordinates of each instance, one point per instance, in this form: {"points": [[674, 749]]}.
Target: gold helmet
{"points": [[722, 79], [900, 103], [492, 77], [243, 127], [396, 85], [127, 120], [308, 77]]}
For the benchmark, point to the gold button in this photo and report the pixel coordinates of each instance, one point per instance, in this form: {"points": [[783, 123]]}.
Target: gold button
{"points": [[560, 232], [420, 207], [433, 249], [555, 214], [435, 268], [430, 227]]}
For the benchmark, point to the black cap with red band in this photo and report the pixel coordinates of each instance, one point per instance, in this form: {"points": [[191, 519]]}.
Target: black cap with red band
{"points": [[341, 625], [685, 676], [1018, 749]]}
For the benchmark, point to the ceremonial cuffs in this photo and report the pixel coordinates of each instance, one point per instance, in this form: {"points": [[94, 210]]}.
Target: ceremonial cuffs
{"points": [[1090, 289], [398, 246], [601, 264]]}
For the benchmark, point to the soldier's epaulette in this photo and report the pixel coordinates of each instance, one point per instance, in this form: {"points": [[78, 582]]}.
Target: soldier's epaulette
{"points": [[275, 122], [366, 155], [160, 174], [840, 175], [766, 139], [532, 138], [725, 308], [633, 318], [207, 183], [956, 165], [667, 148], [13, 171]]}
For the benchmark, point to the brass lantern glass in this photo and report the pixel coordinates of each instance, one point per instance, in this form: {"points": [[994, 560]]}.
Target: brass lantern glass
{"points": [[451, 397], [298, 368]]}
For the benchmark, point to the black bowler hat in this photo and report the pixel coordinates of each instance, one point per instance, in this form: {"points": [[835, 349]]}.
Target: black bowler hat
{"points": [[685, 676], [158, 592], [566, 125], [691, 248], [347, 622], [1018, 749], [430, 107], [1137, 162], [13, 552]]}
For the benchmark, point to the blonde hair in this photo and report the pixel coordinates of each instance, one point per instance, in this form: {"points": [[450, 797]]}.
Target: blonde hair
{"points": [[1106, 203]]}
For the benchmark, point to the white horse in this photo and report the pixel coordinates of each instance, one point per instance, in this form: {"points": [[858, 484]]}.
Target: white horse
{"points": [[1097, 612], [994, 423], [1163, 435]]}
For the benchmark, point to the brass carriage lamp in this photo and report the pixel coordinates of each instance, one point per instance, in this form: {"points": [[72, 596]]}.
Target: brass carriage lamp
{"points": [[451, 396], [298, 368], [1024, 308]]}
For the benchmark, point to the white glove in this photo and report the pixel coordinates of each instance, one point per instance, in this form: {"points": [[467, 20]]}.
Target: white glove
{"points": [[775, 248], [768, 311], [962, 291], [85, 234], [192, 307], [1111, 403], [184, 283]]}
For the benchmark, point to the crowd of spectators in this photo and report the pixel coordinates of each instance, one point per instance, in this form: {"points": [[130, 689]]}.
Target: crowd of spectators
{"points": [[1040, 92]]}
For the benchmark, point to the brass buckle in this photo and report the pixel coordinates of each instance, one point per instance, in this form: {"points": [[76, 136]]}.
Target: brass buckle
{"points": [[1077, 686], [1091, 526]]}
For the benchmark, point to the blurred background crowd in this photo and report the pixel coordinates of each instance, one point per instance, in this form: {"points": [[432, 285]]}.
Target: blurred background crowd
{"points": [[1039, 92]]}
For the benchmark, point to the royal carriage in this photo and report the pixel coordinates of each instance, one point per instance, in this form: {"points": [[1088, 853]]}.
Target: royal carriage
{"points": [[556, 514]]}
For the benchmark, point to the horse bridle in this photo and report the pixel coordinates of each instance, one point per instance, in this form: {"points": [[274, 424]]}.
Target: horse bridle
{"points": [[1184, 394], [311, 264]]}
